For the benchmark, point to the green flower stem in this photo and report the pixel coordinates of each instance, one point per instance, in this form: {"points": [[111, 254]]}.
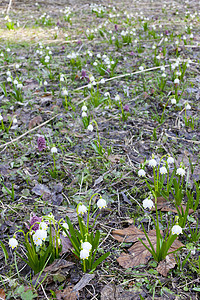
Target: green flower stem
{"points": [[66, 103], [88, 216], [84, 266], [164, 111], [97, 132], [2, 125], [54, 163]]}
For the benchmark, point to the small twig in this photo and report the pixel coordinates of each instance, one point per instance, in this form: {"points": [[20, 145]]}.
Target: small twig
{"points": [[19, 137], [124, 75], [44, 292], [9, 6]]}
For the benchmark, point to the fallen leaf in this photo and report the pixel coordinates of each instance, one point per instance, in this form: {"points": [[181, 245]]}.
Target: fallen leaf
{"points": [[59, 266], [34, 122], [67, 294], [2, 294], [163, 205], [41, 189], [126, 198], [138, 254], [83, 282], [112, 292], [167, 264], [114, 158], [127, 235]]}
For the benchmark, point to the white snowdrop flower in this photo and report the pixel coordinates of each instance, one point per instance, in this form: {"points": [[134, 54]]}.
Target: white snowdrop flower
{"points": [[50, 52], [184, 37], [176, 81], [107, 94], [101, 203], [54, 150], [89, 86], [102, 80], [141, 68], [8, 49], [176, 229], [95, 64], [191, 35], [1, 118], [45, 82], [170, 160], [166, 39], [152, 162], [141, 172], [163, 170], [94, 83], [14, 120], [173, 66], [9, 79], [187, 106], [43, 226], [176, 42], [164, 75], [39, 236], [158, 57], [20, 85], [8, 73], [173, 101], [180, 171], [66, 226], [2, 55], [154, 47], [84, 114], [62, 78], [147, 203], [162, 68], [99, 55], [15, 82], [87, 246], [92, 78], [84, 254], [90, 127], [64, 92], [13, 243], [117, 97], [84, 108], [193, 251], [82, 209]]}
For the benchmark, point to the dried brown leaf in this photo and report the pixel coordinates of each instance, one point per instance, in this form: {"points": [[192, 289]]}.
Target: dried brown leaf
{"points": [[83, 282], [129, 234], [138, 253], [34, 122], [2, 294], [167, 264], [67, 294], [163, 205]]}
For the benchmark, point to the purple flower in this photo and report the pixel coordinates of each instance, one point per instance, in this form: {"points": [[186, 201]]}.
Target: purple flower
{"points": [[83, 74], [63, 47], [126, 107], [33, 220], [41, 143], [79, 42], [116, 27]]}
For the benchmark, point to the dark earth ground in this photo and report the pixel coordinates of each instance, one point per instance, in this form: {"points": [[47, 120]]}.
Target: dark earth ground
{"points": [[82, 171]]}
